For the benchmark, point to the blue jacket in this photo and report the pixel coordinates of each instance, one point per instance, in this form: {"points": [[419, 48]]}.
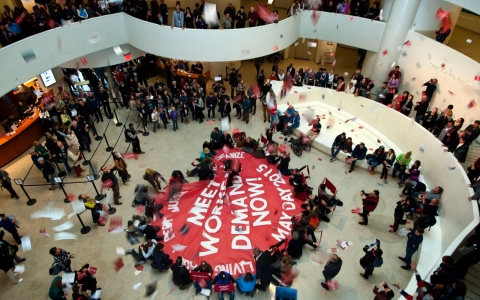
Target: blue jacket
{"points": [[246, 286], [246, 104], [359, 153], [414, 240], [7, 224], [216, 136], [295, 121], [290, 112], [228, 279]]}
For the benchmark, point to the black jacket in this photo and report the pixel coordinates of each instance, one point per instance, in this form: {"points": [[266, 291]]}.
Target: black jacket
{"points": [[181, 275], [332, 268], [264, 266], [149, 232]]}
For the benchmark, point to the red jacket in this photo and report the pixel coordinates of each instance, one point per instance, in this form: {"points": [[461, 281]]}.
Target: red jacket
{"points": [[370, 203]]}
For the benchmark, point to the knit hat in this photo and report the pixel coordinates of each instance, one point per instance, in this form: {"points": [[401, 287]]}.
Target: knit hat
{"points": [[40, 159]]}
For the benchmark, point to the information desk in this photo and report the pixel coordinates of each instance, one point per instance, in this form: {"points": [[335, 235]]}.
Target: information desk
{"points": [[14, 145]]}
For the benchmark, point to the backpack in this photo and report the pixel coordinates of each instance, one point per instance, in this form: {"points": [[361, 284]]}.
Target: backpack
{"points": [[378, 262]]}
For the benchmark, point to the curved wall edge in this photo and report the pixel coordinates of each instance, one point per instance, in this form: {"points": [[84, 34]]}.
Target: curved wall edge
{"points": [[458, 215], [69, 43]]}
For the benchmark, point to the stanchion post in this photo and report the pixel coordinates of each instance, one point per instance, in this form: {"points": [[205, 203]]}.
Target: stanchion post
{"points": [[109, 148], [98, 137], [91, 178], [60, 183], [111, 210], [85, 160], [60, 172], [30, 201], [85, 229], [116, 117], [96, 176]]}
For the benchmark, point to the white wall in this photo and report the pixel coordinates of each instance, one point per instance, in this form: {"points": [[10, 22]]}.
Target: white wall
{"points": [[423, 61], [425, 19], [61, 45], [458, 215], [472, 5]]}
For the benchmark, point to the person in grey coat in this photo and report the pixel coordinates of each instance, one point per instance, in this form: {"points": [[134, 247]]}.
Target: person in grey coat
{"points": [[332, 268], [7, 184]]}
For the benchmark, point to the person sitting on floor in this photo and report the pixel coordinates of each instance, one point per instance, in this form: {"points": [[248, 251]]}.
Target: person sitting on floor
{"points": [[142, 197], [224, 278], [145, 251], [161, 260], [180, 274], [331, 200]]}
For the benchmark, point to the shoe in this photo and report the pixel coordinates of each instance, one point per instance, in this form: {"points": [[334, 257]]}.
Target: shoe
{"points": [[363, 223], [391, 226], [19, 280], [401, 258], [363, 275], [350, 171], [141, 152], [208, 119], [22, 260], [119, 203], [372, 172], [213, 120], [326, 219], [52, 189], [360, 214], [247, 122], [340, 203], [17, 197], [325, 286], [408, 268], [129, 251], [391, 231], [140, 263], [332, 159], [264, 121], [196, 292], [11, 197]]}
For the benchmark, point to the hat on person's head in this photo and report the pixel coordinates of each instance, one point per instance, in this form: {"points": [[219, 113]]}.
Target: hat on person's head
{"points": [[381, 146], [206, 151], [40, 159]]}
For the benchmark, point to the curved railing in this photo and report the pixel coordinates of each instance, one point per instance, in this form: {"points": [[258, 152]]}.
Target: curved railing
{"points": [[69, 43]]}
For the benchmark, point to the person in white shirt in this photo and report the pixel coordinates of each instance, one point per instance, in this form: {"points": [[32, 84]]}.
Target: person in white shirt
{"points": [[350, 89], [155, 120], [331, 75], [145, 251]]}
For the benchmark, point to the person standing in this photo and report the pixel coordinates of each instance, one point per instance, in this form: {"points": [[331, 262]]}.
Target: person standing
{"points": [[211, 102], [6, 261], [246, 109], [370, 202], [414, 239], [385, 294], [421, 108], [431, 87], [9, 225], [63, 152], [121, 166], [241, 18], [263, 267], [252, 17], [174, 116], [132, 135], [371, 259], [108, 176], [7, 183], [104, 97], [177, 17], [95, 104], [48, 172], [332, 268]]}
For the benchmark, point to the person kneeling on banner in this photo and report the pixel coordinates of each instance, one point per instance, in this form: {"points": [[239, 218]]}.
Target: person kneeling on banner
{"points": [[315, 208], [202, 162], [142, 197], [161, 260], [180, 274], [152, 209], [331, 200], [224, 283], [295, 245], [233, 168], [202, 277], [299, 182], [177, 177], [145, 251], [99, 211]]}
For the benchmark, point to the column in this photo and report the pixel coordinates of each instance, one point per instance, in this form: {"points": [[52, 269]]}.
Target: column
{"points": [[113, 91], [399, 23]]}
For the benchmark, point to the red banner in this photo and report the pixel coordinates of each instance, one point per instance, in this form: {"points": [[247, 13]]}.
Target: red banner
{"points": [[196, 276], [224, 288], [206, 221]]}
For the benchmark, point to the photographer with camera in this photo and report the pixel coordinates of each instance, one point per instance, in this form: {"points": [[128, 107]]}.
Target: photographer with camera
{"points": [[131, 135], [370, 202], [61, 261]]}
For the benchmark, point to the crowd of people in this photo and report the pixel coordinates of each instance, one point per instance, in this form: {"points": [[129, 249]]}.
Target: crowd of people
{"points": [[18, 23]]}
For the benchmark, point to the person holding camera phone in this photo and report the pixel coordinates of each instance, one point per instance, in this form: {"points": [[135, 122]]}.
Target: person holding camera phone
{"points": [[370, 202], [61, 261]]}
